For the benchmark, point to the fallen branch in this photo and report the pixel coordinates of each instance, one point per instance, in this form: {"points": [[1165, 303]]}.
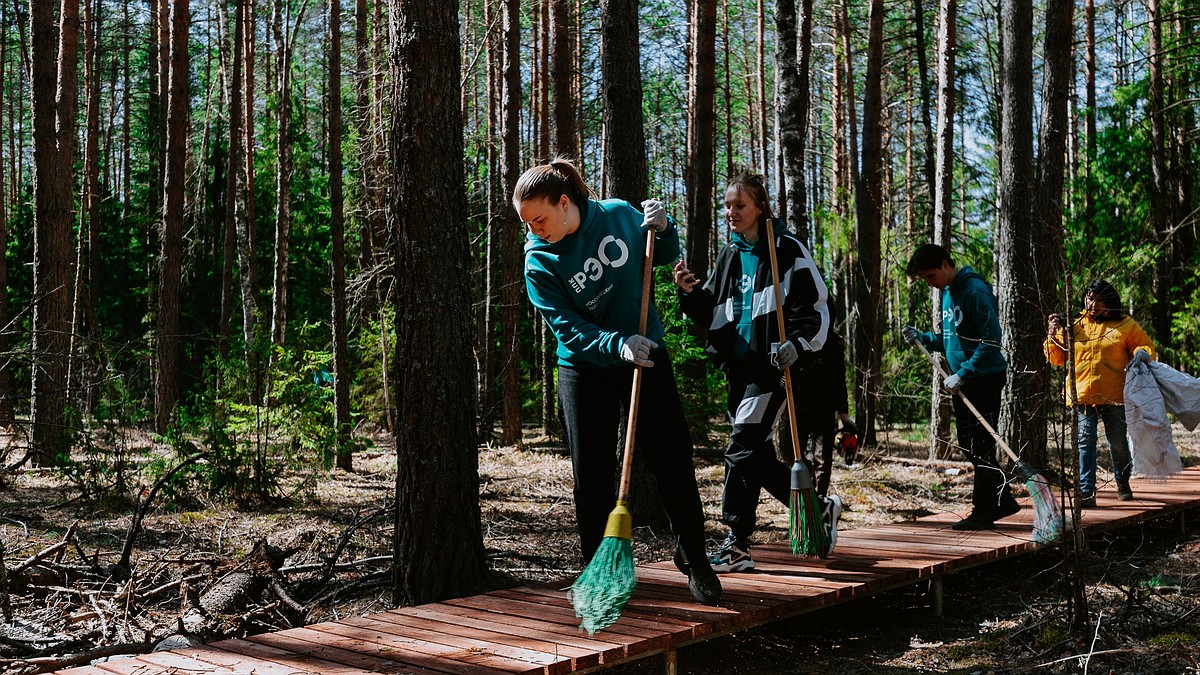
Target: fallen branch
{"points": [[48, 551], [340, 567], [135, 524], [45, 664]]}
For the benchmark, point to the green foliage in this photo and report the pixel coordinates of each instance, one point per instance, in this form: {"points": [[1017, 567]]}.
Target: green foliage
{"points": [[701, 386], [253, 442], [906, 383], [374, 346]]}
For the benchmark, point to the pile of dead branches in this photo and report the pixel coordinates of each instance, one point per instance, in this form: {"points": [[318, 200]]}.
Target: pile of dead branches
{"points": [[63, 606]]}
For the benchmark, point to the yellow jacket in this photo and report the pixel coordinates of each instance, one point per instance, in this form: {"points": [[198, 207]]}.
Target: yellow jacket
{"points": [[1102, 350]]}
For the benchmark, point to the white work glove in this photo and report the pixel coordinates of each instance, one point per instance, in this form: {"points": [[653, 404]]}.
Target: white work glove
{"points": [[1140, 356], [952, 383], [783, 354], [636, 350], [654, 215], [910, 334]]}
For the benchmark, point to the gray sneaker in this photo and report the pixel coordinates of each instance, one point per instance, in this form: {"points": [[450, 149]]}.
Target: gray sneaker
{"points": [[732, 557]]}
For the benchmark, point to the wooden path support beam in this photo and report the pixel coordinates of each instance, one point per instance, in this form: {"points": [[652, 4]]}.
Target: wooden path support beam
{"points": [[534, 630]]}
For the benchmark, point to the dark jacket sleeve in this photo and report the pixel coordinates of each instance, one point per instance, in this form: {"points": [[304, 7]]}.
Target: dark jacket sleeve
{"points": [[805, 301]]}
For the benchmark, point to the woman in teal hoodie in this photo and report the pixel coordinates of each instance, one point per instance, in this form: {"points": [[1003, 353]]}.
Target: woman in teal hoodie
{"points": [[583, 273], [970, 339]]}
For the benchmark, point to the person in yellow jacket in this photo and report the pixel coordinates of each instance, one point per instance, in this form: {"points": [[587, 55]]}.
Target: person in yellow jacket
{"points": [[1106, 340]]}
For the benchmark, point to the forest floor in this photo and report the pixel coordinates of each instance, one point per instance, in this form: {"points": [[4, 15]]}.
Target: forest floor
{"points": [[1143, 583]]}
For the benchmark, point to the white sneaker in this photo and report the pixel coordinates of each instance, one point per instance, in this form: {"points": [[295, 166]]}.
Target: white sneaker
{"points": [[831, 511]]}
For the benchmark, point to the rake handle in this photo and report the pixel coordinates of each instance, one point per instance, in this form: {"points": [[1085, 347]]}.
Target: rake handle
{"points": [[797, 451], [636, 389], [978, 415]]}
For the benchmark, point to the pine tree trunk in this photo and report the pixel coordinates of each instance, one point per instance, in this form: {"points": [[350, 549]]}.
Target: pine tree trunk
{"points": [[792, 54], [438, 538], [869, 210], [1038, 396], [166, 389], [1089, 85], [7, 408], [1160, 196], [54, 60], [341, 370], [283, 172], [926, 94], [511, 229], [621, 92], [233, 181], [942, 190], [1017, 283], [701, 128], [245, 221]]}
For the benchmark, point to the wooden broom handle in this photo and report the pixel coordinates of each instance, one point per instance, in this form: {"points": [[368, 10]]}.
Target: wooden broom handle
{"points": [[978, 415], [797, 451], [636, 390]]}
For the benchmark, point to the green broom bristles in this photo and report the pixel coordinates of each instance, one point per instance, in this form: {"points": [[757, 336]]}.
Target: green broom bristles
{"points": [[606, 584], [806, 527], [1047, 514]]}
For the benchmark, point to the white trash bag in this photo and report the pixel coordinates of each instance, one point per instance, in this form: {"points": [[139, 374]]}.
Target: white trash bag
{"points": [[1150, 442]]}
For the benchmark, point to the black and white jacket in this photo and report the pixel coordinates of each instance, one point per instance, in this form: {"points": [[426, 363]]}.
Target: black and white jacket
{"points": [[805, 302]]}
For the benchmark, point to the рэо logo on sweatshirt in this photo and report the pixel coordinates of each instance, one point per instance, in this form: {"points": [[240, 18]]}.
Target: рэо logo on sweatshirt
{"points": [[593, 268]]}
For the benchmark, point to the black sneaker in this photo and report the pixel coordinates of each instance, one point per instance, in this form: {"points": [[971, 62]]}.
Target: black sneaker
{"points": [[704, 584], [732, 556], [973, 522], [1006, 509], [1087, 500], [702, 581], [1124, 493], [831, 512]]}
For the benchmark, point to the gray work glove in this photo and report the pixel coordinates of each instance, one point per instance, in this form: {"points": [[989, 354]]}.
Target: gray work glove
{"points": [[783, 354], [911, 335], [654, 214], [1140, 356], [636, 350], [952, 383]]}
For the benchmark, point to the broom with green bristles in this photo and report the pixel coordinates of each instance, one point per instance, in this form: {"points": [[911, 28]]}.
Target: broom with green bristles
{"points": [[806, 527], [606, 584]]}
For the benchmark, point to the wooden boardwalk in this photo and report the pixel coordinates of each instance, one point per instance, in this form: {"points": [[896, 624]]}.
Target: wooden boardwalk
{"points": [[533, 629]]}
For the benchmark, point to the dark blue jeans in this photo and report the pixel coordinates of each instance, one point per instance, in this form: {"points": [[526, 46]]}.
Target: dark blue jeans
{"points": [[1118, 444], [591, 401]]}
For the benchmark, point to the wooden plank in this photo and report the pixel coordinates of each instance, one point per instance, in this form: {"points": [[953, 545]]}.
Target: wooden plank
{"points": [[269, 657], [473, 640], [129, 665], [632, 637], [547, 637], [657, 633], [363, 652], [180, 664], [609, 646], [243, 656], [777, 558]]}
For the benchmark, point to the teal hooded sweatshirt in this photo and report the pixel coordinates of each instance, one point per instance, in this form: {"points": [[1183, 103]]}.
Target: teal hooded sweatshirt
{"points": [[970, 335], [588, 285]]}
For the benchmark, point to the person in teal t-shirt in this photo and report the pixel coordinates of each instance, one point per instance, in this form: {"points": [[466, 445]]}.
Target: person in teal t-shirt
{"points": [[737, 306], [583, 273], [970, 339]]}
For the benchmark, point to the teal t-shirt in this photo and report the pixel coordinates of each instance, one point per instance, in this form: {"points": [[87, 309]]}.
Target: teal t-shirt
{"points": [[743, 302]]}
